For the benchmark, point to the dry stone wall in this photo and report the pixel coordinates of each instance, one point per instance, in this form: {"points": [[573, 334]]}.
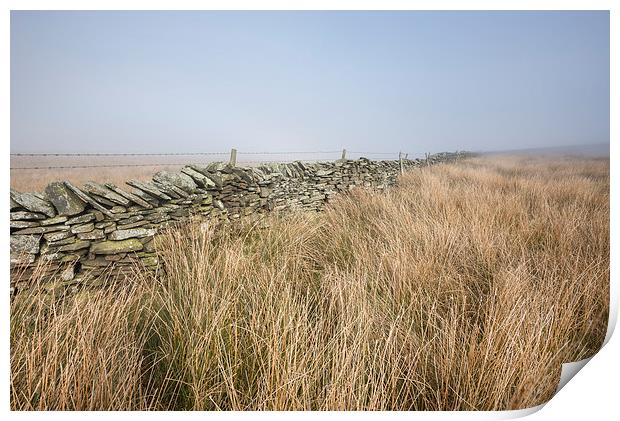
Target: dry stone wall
{"points": [[80, 236]]}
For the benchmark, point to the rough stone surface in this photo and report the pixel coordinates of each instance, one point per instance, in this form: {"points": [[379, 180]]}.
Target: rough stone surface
{"points": [[64, 200], [123, 234], [180, 180], [130, 196], [82, 219], [152, 200], [149, 188], [68, 274], [23, 224], [97, 234], [57, 236], [76, 229], [63, 242], [201, 179], [22, 259], [26, 216], [99, 190], [130, 220], [55, 220], [28, 244], [75, 246], [41, 230], [115, 247], [33, 203], [99, 216], [86, 198]]}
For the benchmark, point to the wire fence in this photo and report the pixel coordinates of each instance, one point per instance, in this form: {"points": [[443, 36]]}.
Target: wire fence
{"points": [[170, 164], [249, 157], [121, 154]]}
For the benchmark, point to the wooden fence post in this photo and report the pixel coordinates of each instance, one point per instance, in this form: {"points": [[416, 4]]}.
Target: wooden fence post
{"points": [[233, 157], [344, 154], [400, 162]]}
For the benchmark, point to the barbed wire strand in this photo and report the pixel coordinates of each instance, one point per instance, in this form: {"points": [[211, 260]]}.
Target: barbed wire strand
{"points": [[283, 161], [374, 153], [197, 153], [170, 164], [121, 154], [285, 153], [54, 167]]}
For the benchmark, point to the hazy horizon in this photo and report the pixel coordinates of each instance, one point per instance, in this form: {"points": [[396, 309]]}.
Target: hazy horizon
{"points": [[379, 81], [586, 150]]}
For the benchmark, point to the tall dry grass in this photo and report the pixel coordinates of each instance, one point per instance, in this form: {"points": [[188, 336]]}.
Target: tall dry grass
{"points": [[464, 288]]}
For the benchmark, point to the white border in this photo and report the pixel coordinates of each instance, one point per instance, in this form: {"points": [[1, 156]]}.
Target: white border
{"points": [[590, 395]]}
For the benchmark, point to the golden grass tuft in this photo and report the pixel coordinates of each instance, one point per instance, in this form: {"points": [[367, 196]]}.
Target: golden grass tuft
{"points": [[463, 288]]}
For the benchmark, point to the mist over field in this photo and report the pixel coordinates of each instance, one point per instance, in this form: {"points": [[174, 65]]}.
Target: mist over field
{"points": [[600, 150]]}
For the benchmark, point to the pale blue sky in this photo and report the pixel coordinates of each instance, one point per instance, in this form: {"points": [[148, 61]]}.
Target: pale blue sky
{"points": [[208, 81]]}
